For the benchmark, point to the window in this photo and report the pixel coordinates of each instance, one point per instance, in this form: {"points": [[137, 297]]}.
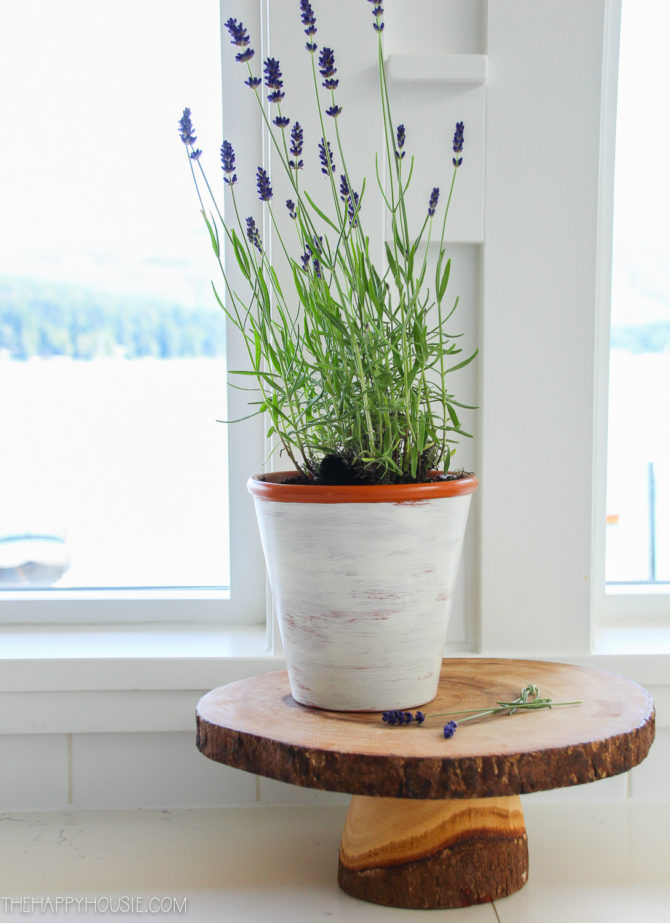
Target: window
{"points": [[114, 480], [637, 560]]}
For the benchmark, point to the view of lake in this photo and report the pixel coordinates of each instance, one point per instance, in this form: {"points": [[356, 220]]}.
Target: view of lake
{"points": [[127, 458]]}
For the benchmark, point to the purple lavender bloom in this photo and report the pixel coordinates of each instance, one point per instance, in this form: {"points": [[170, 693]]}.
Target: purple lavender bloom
{"points": [[432, 202], [450, 729], [398, 717], [263, 184], [281, 121], [186, 128], [290, 204], [317, 267], [274, 80], [239, 37], [328, 69], [195, 154], [344, 188], [253, 235], [309, 20], [253, 82], [352, 208], [306, 257], [377, 12], [296, 146], [458, 144], [326, 158], [400, 141], [334, 111], [228, 163]]}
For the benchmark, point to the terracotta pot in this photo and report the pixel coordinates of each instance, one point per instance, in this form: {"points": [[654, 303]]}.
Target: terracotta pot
{"points": [[362, 579]]}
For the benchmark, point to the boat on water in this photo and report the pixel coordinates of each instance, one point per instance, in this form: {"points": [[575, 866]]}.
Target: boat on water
{"points": [[32, 559]]}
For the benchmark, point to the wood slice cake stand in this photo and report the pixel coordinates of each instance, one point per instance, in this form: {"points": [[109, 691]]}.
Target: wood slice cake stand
{"points": [[434, 822]]}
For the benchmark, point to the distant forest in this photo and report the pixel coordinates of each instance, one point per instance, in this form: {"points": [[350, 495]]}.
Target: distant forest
{"points": [[51, 319], [55, 319]]}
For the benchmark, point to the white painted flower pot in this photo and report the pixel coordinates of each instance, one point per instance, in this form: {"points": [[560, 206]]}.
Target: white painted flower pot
{"points": [[362, 579]]}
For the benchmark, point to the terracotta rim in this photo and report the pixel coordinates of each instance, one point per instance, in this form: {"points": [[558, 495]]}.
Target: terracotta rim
{"points": [[272, 489]]}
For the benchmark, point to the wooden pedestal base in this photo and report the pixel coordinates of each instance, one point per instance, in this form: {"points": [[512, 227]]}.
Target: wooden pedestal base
{"points": [[429, 854]]}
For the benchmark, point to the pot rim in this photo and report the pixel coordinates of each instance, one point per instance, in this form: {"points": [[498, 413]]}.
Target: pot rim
{"points": [[271, 488]]}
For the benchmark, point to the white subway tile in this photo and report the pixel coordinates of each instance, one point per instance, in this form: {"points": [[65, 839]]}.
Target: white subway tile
{"points": [[152, 770], [33, 772], [273, 792], [649, 781]]}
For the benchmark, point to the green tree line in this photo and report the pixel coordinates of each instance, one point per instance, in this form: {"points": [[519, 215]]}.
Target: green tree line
{"points": [[50, 319]]}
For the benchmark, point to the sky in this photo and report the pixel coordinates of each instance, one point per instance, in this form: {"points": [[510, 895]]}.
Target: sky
{"points": [[95, 184], [641, 275]]}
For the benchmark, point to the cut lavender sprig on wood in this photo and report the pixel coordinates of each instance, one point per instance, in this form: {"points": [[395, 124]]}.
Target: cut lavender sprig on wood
{"points": [[528, 700], [396, 717]]}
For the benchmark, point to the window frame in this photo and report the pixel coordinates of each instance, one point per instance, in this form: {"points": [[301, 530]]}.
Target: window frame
{"points": [[627, 604]]}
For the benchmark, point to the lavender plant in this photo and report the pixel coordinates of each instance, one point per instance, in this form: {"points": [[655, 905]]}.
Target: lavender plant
{"points": [[352, 364]]}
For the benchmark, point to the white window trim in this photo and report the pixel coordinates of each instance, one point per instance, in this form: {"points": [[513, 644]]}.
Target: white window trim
{"points": [[626, 606]]}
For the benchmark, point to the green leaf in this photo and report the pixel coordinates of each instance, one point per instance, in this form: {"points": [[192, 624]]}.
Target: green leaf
{"points": [[213, 234], [444, 281], [321, 214], [240, 255]]}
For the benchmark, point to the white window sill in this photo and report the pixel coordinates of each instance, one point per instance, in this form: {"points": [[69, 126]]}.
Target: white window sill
{"points": [[105, 680], [39, 659]]}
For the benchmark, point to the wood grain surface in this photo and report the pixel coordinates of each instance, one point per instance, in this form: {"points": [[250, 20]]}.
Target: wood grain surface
{"points": [[430, 854], [255, 724]]}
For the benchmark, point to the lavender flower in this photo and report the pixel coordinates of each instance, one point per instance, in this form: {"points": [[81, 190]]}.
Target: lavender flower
{"points": [[400, 141], [328, 69], [228, 163], [274, 80], [263, 184], [290, 204], [398, 717], [377, 12], [253, 235], [450, 729], [239, 37], [253, 82], [309, 20], [326, 157], [458, 144], [352, 208], [432, 202], [186, 128], [317, 267], [306, 257], [350, 198], [281, 121], [195, 154], [334, 111], [296, 146]]}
